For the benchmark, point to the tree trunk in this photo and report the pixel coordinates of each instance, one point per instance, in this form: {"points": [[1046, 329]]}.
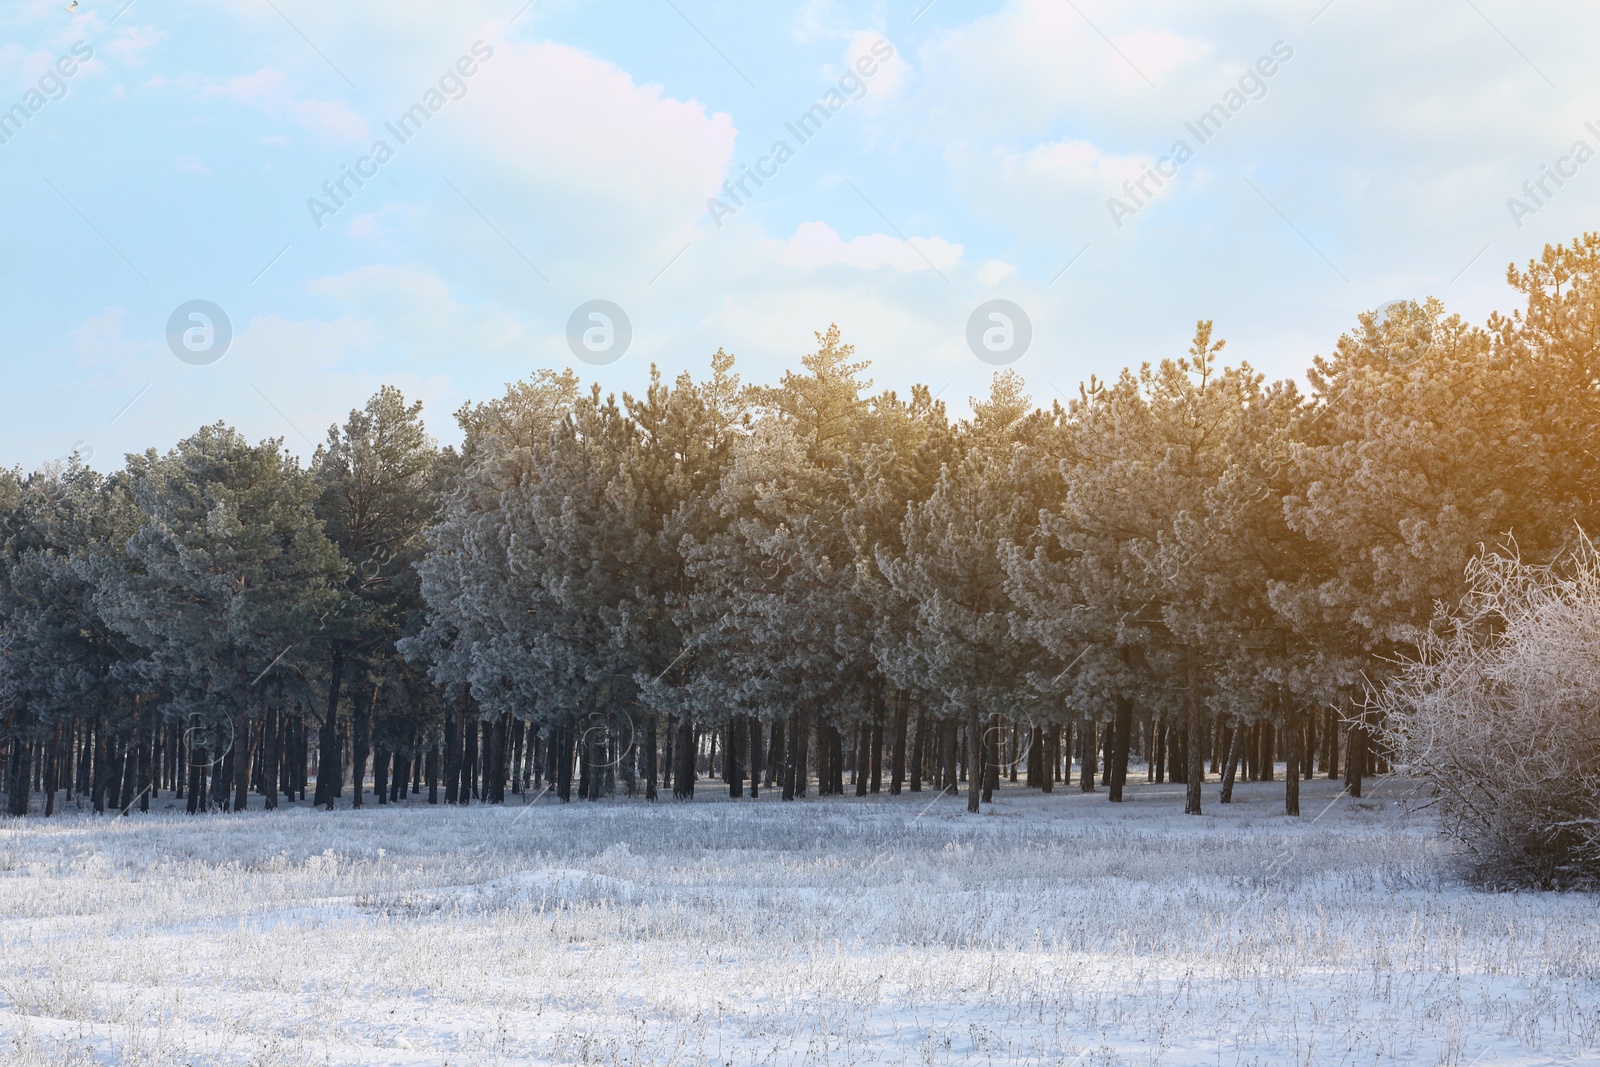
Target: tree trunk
{"points": [[1356, 758], [561, 742], [875, 746], [992, 750], [1308, 744], [52, 771], [1230, 766], [102, 757], [775, 751], [495, 770], [361, 739], [1269, 751], [948, 781], [431, 770], [380, 774], [327, 737], [897, 745], [1107, 739], [1291, 773], [734, 755], [975, 777], [753, 746], [683, 774], [18, 760], [1122, 732], [862, 759], [1195, 771], [650, 771], [241, 732], [196, 775], [790, 760], [802, 746], [1330, 743], [1086, 751], [271, 728], [919, 749], [1050, 753]]}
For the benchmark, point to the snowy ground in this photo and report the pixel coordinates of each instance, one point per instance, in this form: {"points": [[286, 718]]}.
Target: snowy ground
{"points": [[1052, 930]]}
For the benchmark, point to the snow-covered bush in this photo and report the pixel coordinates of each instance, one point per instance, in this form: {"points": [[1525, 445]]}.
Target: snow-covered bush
{"points": [[1501, 712]]}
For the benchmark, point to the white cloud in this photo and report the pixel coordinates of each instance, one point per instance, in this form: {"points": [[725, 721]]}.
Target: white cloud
{"points": [[994, 272], [268, 90], [816, 244], [566, 118], [892, 75]]}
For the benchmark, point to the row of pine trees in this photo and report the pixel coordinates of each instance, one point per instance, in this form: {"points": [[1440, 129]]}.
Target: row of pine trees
{"points": [[808, 585]]}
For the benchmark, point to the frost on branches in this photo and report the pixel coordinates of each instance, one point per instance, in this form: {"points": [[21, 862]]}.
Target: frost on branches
{"points": [[1501, 712]]}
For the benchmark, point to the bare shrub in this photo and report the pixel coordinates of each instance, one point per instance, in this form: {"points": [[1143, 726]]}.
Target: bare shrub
{"points": [[1501, 712]]}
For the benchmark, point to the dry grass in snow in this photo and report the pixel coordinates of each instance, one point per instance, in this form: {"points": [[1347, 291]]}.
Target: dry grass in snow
{"points": [[1050, 930]]}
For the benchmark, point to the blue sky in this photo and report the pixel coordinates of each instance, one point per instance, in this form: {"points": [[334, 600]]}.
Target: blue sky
{"points": [[580, 158]]}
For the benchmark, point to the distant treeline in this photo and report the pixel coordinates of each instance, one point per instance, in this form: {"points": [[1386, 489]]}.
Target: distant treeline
{"points": [[796, 583]]}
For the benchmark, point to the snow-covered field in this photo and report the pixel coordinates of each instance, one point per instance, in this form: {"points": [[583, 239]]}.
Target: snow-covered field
{"points": [[1052, 930]]}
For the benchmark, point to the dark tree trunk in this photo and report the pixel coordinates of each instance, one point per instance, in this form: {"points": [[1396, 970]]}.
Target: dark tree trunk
{"points": [[586, 764], [897, 745], [518, 785], [196, 777], [1308, 744], [948, 781], [1194, 772], [561, 742], [861, 759], [1356, 758], [994, 746], [919, 749], [52, 771], [837, 760], [18, 760], [755, 751], [975, 777], [271, 756], [875, 747], [1230, 765], [1330, 745], [380, 774], [1107, 742], [1013, 756], [360, 740], [790, 760], [1122, 731], [454, 726], [495, 765], [327, 738], [431, 769], [683, 774], [102, 758], [1291, 773], [734, 755], [1051, 753], [1159, 749], [469, 762], [802, 747], [1086, 760], [1034, 778], [651, 773], [241, 732], [1268, 757]]}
